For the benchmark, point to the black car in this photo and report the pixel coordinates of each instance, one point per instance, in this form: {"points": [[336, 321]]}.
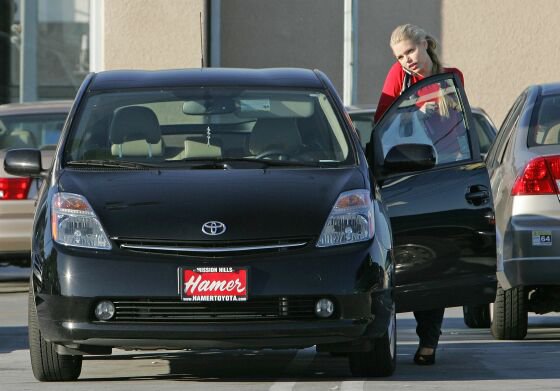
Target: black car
{"points": [[236, 208]]}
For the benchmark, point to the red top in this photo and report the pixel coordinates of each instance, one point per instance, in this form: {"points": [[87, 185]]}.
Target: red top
{"points": [[393, 87]]}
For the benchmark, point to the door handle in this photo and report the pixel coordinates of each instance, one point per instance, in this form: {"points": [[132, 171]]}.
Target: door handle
{"points": [[477, 195]]}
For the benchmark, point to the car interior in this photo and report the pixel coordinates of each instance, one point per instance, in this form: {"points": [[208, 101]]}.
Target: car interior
{"points": [[547, 129], [285, 129]]}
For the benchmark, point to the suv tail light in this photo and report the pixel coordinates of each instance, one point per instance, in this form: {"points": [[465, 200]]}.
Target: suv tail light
{"points": [[14, 188], [540, 176]]}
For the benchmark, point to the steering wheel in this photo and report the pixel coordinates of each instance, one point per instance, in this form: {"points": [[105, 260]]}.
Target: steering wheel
{"points": [[282, 155]]}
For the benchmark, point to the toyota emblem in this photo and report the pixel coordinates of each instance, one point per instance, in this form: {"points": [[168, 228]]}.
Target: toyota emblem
{"points": [[213, 228]]}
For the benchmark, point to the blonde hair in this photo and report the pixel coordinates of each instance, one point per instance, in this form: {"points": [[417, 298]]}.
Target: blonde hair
{"points": [[410, 32], [416, 34]]}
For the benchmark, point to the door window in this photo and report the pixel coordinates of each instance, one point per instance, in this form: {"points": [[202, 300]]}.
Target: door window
{"points": [[431, 112]]}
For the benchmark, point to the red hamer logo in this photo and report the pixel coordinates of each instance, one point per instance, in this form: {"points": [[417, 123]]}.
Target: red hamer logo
{"points": [[214, 284]]}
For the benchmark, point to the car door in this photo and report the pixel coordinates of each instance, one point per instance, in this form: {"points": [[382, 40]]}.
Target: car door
{"points": [[442, 217]]}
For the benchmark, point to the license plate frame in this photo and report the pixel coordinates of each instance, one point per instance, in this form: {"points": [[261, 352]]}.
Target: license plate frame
{"points": [[204, 284]]}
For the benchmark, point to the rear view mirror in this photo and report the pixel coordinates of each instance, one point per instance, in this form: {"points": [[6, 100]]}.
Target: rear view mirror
{"points": [[209, 106], [23, 162], [409, 157]]}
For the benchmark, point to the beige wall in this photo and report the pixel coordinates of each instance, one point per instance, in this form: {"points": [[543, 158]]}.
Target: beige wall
{"points": [[377, 19], [283, 33], [152, 34], [501, 46]]}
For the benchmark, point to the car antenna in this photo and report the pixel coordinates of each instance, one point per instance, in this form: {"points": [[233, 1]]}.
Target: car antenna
{"points": [[201, 43]]}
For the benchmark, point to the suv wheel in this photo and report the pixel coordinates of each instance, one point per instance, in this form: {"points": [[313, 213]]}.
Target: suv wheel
{"points": [[510, 313], [477, 316], [381, 360], [46, 363]]}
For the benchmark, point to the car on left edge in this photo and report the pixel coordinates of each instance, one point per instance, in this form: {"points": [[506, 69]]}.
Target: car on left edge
{"points": [[24, 125], [235, 208]]}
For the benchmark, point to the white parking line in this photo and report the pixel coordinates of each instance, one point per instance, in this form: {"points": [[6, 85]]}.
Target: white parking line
{"points": [[352, 385]]}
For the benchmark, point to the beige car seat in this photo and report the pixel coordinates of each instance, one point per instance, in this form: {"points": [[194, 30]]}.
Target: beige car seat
{"points": [[135, 132], [275, 134]]}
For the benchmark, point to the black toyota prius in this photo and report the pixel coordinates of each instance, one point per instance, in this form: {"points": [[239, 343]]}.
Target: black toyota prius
{"points": [[236, 208]]}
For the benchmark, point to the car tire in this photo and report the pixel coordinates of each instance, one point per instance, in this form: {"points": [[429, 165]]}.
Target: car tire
{"points": [[477, 316], [46, 363], [381, 360], [510, 313]]}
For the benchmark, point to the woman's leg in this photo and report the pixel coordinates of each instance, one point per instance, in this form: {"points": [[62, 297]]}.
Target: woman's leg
{"points": [[428, 326]]}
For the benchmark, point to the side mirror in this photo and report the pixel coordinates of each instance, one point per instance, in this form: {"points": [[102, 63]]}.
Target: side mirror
{"points": [[409, 157], [23, 162]]}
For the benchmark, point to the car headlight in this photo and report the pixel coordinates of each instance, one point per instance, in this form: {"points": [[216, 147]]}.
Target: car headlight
{"points": [[350, 221], [74, 223]]}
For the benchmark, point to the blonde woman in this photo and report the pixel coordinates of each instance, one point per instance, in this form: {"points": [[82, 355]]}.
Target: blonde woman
{"points": [[415, 51]]}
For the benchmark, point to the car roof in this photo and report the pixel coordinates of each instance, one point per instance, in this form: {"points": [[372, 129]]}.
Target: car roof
{"points": [[39, 107], [272, 77], [550, 89]]}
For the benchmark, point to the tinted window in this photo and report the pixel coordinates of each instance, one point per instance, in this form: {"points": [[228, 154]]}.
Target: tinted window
{"points": [[433, 116], [30, 131], [211, 123], [363, 122], [497, 148], [545, 127], [484, 131]]}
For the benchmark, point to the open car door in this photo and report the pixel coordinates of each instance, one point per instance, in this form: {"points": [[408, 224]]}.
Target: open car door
{"points": [[425, 156]]}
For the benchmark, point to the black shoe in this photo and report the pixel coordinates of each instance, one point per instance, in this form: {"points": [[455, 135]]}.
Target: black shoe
{"points": [[425, 359]]}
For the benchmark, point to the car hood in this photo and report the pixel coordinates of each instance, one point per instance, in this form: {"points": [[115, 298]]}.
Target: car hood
{"points": [[174, 204]]}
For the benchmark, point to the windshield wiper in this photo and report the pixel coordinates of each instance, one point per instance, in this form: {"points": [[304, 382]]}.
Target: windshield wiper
{"points": [[225, 163], [109, 164]]}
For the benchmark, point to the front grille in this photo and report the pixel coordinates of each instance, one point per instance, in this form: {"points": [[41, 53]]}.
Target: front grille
{"points": [[211, 248], [175, 311]]}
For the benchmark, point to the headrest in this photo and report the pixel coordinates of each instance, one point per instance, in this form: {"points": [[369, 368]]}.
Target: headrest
{"points": [[552, 135], [135, 123], [275, 133], [137, 148]]}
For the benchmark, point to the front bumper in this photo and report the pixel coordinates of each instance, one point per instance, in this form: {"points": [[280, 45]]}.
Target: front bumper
{"points": [[69, 283]]}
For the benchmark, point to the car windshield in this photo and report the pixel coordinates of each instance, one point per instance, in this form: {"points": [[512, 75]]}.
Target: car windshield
{"points": [[31, 130], [176, 127]]}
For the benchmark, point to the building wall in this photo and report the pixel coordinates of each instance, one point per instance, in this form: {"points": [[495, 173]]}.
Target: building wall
{"points": [[377, 19], [286, 33], [153, 34], [501, 47]]}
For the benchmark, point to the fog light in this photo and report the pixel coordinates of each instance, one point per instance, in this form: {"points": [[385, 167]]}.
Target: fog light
{"points": [[324, 308], [105, 310]]}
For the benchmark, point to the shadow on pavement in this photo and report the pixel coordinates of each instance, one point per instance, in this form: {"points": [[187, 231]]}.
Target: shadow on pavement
{"points": [[13, 338], [509, 360]]}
